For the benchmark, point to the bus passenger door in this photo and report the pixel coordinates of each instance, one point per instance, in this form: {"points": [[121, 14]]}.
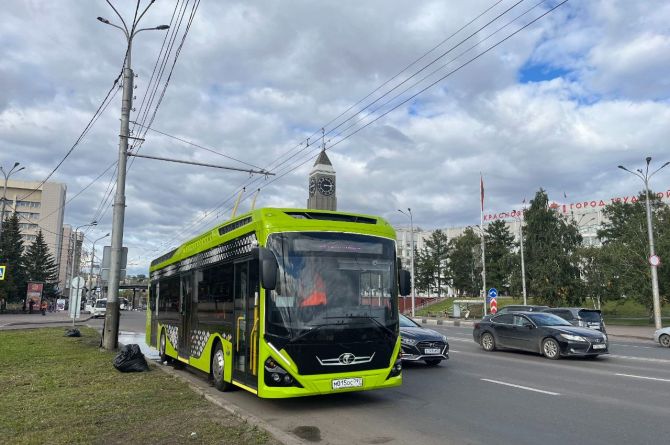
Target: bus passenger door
{"points": [[186, 314], [246, 326]]}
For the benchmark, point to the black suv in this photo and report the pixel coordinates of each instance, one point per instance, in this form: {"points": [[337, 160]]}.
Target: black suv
{"points": [[578, 316]]}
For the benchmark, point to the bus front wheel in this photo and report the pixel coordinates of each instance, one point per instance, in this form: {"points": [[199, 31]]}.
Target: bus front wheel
{"points": [[217, 369]]}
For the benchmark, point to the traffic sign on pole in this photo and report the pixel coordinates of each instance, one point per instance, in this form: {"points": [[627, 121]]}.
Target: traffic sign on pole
{"points": [[2, 272], [655, 260]]}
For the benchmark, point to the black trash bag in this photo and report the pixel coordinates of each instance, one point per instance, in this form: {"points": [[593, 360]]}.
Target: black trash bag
{"points": [[74, 332], [130, 359]]}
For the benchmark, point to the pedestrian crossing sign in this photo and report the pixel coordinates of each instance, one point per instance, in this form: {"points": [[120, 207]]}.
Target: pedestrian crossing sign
{"points": [[2, 272]]}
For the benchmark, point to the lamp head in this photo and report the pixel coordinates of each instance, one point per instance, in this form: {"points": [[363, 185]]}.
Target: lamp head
{"points": [[103, 20], [16, 164], [162, 27], [648, 159]]}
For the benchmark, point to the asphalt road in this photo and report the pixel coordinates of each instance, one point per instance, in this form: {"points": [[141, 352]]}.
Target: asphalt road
{"points": [[493, 398]]}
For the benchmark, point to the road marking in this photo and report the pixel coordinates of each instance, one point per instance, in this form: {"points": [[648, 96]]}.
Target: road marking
{"points": [[642, 359], [643, 377], [522, 387], [460, 339], [633, 346]]}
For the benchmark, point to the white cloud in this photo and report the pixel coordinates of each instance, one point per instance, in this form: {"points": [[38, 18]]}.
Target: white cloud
{"points": [[254, 79]]}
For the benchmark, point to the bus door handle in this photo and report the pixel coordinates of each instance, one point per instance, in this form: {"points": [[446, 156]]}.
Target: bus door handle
{"points": [[240, 319]]}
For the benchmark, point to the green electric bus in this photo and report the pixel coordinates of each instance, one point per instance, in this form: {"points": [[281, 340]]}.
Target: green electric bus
{"points": [[283, 303]]}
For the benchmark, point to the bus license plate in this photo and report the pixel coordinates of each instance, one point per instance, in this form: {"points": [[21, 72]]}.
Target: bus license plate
{"points": [[599, 346], [354, 382], [431, 351]]}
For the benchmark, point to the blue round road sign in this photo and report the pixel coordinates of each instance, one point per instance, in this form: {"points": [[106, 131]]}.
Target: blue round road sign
{"points": [[493, 292]]}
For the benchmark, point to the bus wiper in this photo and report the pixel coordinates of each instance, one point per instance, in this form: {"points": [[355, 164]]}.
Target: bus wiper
{"points": [[305, 332], [377, 322]]}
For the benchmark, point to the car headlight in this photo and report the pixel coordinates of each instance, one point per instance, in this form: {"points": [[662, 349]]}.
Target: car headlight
{"points": [[407, 341], [444, 338], [573, 337], [604, 337]]}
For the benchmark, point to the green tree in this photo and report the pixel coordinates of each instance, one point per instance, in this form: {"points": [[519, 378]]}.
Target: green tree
{"points": [[626, 248], [13, 287], [499, 255], [431, 267], [552, 263], [465, 268], [40, 265]]}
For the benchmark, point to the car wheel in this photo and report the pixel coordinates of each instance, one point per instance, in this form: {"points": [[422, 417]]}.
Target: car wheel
{"points": [[433, 361], [161, 349], [218, 362], [488, 342], [550, 349], [664, 340]]}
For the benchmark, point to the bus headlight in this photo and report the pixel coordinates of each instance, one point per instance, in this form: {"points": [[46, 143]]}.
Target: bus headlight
{"points": [[275, 375], [397, 367]]}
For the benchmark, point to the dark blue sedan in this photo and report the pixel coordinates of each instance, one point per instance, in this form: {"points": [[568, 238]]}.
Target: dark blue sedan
{"points": [[539, 332]]}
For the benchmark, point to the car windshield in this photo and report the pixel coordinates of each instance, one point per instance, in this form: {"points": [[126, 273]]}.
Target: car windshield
{"points": [[590, 315], [406, 322], [101, 303], [331, 279], [547, 320]]}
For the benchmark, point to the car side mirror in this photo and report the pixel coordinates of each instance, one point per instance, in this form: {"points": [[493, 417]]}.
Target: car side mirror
{"points": [[404, 282], [269, 268], [529, 325]]}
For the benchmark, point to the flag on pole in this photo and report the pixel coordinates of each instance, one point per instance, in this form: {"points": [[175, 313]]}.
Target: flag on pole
{"points": [[481, 189]]}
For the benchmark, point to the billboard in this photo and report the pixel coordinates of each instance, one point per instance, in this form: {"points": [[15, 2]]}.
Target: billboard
{"points": [[34, 293]]}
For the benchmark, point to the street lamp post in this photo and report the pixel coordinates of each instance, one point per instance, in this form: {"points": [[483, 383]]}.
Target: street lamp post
{"points": [[4, 191], [411, 234], [73, 238], [111, 330], [90, 272], [645, 177]]}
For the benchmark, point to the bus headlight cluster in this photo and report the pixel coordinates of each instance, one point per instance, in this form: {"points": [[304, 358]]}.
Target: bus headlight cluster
{"points": [[397, 367], [275, 375]]}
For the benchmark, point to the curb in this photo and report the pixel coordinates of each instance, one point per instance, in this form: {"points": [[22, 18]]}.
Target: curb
{"points": [[20, 323], [279, 434]]}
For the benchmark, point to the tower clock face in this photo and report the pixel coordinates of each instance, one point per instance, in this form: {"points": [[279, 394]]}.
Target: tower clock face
{"points": [[326, 185], [312, 186]]}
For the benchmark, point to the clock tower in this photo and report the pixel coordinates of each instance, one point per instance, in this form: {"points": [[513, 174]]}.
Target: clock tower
{"points": [[322, 184]]}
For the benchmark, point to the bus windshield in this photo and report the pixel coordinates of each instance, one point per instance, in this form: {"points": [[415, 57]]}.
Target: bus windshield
{"points": [[331, 280]]}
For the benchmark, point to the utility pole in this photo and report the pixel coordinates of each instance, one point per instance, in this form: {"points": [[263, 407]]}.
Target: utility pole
{"points": [[73, 242], [411, 234], [4, 191], [653, 259], [111, 329], [523, 264], [90, 272]]}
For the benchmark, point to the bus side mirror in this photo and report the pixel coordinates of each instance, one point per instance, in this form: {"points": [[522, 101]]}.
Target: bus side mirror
{"points": [[405, 282], [269, 268]]}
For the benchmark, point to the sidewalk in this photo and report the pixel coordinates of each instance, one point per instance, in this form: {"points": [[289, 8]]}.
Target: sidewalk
{"points": [[37, 318], [636, 332]]}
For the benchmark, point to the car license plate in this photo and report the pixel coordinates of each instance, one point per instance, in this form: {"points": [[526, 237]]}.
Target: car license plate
{"points": [[431, 351], [354, 382], [599, 346]]}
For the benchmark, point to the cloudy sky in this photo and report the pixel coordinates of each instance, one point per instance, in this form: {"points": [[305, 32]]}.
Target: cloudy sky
{"points": [[557, 105]]}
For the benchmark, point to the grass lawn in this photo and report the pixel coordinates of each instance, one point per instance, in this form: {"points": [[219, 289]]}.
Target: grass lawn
{"points": [[62, 390]]}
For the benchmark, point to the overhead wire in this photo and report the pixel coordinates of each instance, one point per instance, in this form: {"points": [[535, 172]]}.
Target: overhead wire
{"points": [[295, 166], [272, 165]]}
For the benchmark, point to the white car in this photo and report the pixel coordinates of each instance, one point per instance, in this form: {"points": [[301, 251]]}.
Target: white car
{"points": [[100, 308], [663, 336]]}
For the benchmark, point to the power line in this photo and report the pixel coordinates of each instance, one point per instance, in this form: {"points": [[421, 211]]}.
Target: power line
{"points": [[299, 164]]}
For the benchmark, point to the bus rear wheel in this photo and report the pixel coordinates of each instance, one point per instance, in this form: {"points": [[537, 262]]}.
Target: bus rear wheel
{"points": [[218, 362]]}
